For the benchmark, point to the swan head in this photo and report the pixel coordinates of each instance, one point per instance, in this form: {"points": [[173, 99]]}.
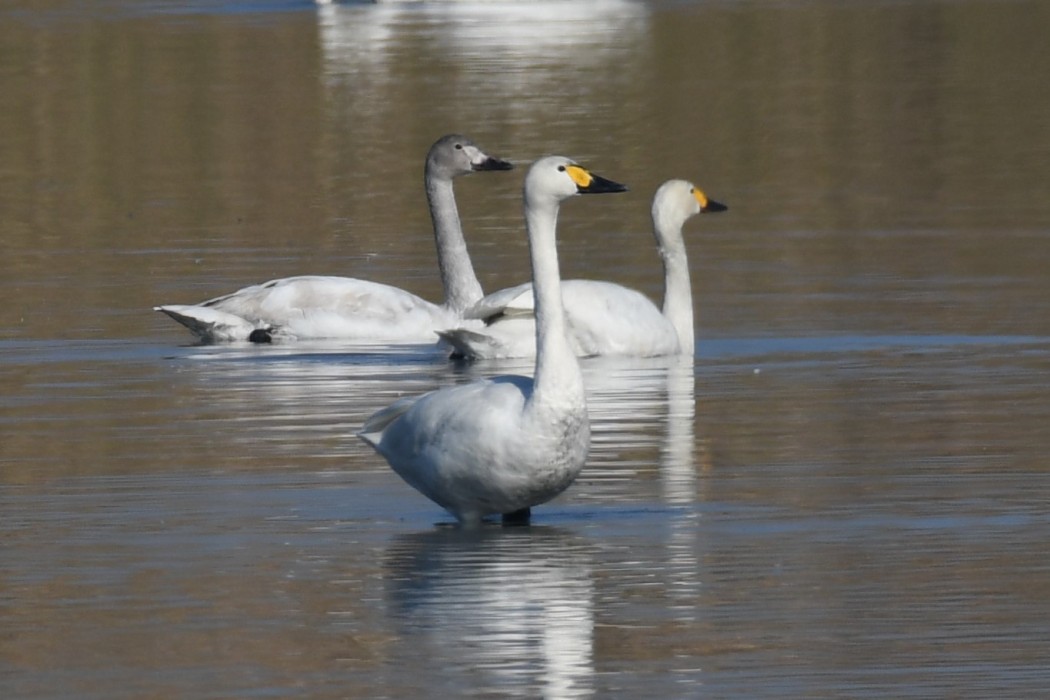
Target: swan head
{"points": [[678, 200], [454, 155], [559, 178]]}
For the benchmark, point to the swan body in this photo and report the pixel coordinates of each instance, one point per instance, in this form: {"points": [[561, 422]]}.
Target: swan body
{"points": [[505, 444], [603, 318], [314, 306]]}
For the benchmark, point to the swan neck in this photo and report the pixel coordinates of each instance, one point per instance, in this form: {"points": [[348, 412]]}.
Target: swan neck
{"points": [[461, 286], [557, 370], [678, 292]]}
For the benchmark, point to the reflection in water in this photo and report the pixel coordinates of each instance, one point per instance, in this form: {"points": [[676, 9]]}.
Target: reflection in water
{"points": [[519, 37], [309, 398], [498, 61], [678, 476], [517, 605], [680, 483]]}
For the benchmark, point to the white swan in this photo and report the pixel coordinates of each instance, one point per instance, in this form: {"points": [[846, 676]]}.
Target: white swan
{"points": [[314, 306], [603, 318], [502, 445]]}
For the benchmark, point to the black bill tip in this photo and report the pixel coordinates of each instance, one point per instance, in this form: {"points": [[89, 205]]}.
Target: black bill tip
{"points": [[713, 206], [491, 163], [600, 185]]}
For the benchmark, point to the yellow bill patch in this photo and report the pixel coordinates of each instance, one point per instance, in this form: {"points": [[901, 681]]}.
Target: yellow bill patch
{"points": [[581, 177], [700, 197]]}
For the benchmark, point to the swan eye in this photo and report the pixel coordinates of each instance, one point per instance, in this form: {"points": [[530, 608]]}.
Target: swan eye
{"points": [[459, 147], [561, 168]]}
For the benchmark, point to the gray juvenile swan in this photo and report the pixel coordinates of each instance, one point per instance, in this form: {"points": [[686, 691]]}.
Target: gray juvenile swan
{"points": [[603, 318], [503, 445], [315, 306]]}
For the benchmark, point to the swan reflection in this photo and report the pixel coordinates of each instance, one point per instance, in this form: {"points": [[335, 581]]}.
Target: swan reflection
{"points": [[678, 476], [505, 44], [515, 604], [303, 399]]}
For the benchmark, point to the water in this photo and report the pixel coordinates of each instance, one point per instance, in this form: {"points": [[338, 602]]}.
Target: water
{"points": [[844, 495]]}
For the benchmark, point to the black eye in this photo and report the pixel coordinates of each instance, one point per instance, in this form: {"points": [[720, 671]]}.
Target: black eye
{"points": [[561, 168], [459, 147]]}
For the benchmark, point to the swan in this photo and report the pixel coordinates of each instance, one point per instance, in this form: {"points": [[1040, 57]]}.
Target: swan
{"points": [[315, 306], [505, 444], [603, 318]]}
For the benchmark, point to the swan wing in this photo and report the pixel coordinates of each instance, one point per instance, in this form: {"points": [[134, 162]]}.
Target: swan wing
{"points": [[336, 307], [461, 446]]}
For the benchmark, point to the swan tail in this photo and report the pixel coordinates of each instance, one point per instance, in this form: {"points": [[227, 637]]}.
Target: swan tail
{"points": [[210, 325], [372, 431], [468, 345]]}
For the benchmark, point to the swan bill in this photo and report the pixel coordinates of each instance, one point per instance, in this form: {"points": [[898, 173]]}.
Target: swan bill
{"points": [[589, 183], [491, 163], [707, 205], [713, 206]]}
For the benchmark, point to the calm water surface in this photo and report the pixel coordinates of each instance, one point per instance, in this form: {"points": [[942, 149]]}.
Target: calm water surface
{"points": [[844, 495]]}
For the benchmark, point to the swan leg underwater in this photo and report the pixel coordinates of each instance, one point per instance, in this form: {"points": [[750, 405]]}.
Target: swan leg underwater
{"points": [[344, 308], [503, 445], [603, 318]]}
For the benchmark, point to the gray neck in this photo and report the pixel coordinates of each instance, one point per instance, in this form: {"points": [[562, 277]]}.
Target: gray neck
{"points": [[462, 288]]}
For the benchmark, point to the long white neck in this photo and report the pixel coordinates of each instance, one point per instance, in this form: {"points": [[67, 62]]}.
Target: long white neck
{"points": [[678, 291], [462, 288], [557, 370]]}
